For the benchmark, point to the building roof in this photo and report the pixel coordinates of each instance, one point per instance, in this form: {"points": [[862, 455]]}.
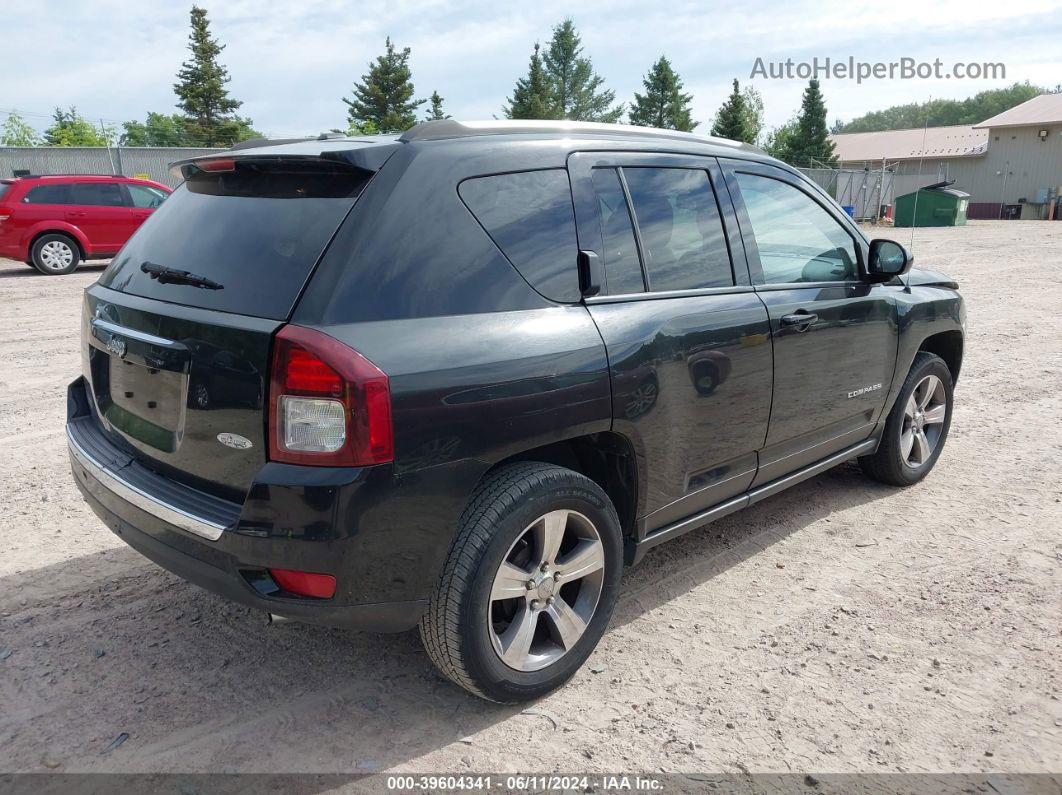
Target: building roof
{"points": [[935, 142], [1044, 109]]}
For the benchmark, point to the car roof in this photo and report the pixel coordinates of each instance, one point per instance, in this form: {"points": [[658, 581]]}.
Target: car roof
{"points": [[371, 150]]}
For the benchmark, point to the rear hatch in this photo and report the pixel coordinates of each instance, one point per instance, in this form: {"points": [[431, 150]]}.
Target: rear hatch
{"points": [[177, 332]]}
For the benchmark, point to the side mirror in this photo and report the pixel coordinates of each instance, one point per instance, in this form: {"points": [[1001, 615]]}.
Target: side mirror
{"points": [[888, 259]]}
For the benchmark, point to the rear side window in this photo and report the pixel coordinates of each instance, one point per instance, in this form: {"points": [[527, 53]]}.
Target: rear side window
{"points": [[683, 241], [48, 194], [258, 230], [529, 216], [98, 194], [3, 188], [619, 250]]}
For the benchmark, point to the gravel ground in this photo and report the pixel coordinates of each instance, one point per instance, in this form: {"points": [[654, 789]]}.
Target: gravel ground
{"points": [[842, 626]]}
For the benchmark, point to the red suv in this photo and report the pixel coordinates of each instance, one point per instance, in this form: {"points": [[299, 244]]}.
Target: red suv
{"points": [[55, 222]]}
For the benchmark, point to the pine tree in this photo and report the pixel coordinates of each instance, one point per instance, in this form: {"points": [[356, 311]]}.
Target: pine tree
{"points": [[531, 97], [209, 110], [435, 108], [16, 132], [810, 144], [384, 96], [663, 104], [575, 88], [733, 119]]}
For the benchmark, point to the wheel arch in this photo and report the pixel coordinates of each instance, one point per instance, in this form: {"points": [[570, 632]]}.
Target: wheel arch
{"points": [[66, 231], [948, 345], [607, 458]]}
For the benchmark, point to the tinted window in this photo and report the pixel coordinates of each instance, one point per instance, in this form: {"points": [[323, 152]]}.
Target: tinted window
{"points": [[143, 196], [48, 194], [798, 240], [683, 241], [3, 188], [619, 251], [98, 194], [529, 216], [258, 230]]}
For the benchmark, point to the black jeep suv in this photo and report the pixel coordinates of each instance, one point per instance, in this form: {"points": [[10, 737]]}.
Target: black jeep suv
{"points": [[459, 378]]}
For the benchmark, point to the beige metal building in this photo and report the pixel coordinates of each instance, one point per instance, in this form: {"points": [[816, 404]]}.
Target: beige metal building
{"points": [[1011, 164]]}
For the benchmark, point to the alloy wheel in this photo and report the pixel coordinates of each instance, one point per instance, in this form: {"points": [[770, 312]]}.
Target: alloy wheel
{"points": [[923, 421], [546, 590]]}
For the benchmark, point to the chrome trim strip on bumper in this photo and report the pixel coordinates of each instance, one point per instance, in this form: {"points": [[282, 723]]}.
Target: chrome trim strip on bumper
{"points": [[197, 525]]}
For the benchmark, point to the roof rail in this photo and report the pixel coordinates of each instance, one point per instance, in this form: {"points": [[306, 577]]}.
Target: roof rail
{"points": [[64, 174], [451, 128]]}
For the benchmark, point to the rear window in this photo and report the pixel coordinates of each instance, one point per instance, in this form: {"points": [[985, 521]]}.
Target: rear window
{"points": [[48, 194], [3, 188], [257, 230], [529, 216]]}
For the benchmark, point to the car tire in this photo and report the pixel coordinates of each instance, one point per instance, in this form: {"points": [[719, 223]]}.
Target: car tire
{"points": [[55, 254], [511, 640], [917, 427]]}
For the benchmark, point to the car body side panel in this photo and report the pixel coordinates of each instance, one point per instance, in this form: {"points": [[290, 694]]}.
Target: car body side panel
{"points": [[485, 387]]}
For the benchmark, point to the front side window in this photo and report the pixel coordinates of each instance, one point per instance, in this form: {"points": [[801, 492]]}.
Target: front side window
{"points": [[48, 194], [798, 240], [145, 197], [98, 194], [529, 216], [683, 241]]}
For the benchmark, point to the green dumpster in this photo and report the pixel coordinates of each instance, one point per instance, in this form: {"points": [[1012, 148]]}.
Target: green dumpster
{"points": [[933, 205]]}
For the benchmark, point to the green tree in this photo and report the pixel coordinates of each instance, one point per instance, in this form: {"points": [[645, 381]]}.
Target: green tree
{"points": [[16, 132], [435, 108], [732, 121], [574, 86], [70, 129], [945, 112], [385, 94], [778, 142], [810, 145], [753, 113], [663, 104], [157, 130], [532, 97], [210, 118]]}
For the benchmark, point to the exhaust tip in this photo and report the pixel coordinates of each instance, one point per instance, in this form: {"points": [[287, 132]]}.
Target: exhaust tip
{"points": [[273, 618]]}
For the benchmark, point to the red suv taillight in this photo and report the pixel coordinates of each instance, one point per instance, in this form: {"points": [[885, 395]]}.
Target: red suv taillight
{"points": [[328, 404]]}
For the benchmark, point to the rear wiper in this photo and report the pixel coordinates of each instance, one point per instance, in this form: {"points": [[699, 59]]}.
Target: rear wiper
{"points": [[166, 275]]}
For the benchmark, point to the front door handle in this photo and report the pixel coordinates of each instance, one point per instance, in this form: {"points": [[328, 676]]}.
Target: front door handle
{"points": [[800, 320]]}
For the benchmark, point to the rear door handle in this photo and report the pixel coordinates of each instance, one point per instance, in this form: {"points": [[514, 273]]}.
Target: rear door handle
{"points": [[801, 320]]}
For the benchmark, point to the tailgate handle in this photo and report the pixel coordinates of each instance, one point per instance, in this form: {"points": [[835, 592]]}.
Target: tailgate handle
{"points": [[115, 339]]}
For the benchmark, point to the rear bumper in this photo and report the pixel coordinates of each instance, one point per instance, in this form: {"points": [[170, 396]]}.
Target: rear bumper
{"points": [[221, 546]]}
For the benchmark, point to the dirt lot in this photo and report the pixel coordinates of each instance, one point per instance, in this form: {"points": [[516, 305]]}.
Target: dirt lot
{"points": [[842, 626]]}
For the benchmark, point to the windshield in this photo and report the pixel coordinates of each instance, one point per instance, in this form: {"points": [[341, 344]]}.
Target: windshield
{"points": [[257, 229]]}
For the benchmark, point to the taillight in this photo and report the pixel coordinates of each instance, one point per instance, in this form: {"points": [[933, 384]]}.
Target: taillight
{"points": [[328, 404], [4, 213], [217, 164]]}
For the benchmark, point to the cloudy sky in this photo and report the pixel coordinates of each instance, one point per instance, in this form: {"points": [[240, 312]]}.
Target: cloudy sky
{"points": [[292, 61]]}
